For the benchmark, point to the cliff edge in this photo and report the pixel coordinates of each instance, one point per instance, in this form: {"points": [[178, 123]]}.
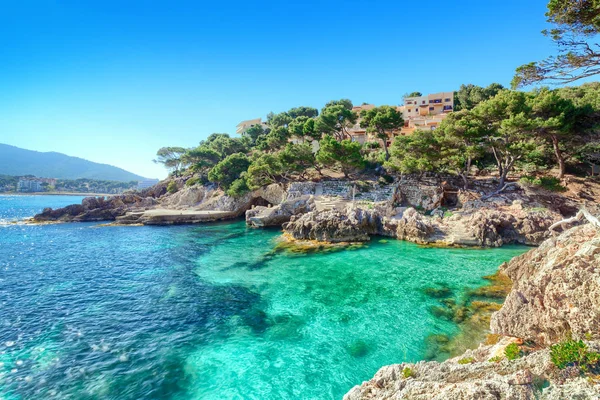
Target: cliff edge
{"points": [[550, 320]]}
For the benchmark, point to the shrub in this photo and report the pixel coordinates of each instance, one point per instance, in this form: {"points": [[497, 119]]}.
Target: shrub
{"points": [[172, 187], [466, 360], [238, 188], [192, 181], [548, 183], [495, 359], [512, 351], [573, 353], [372, 145], [408, 373]]}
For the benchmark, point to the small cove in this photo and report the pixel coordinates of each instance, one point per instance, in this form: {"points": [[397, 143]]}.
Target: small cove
{"points": [[211, 311]]}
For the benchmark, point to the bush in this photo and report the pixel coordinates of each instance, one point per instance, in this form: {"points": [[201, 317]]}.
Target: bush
{"points": [[408, 373], [238, 188], [495, 359], [512, 351], [466, 360], [172, 187], [192, 181], [548, 183], [573, 353]]}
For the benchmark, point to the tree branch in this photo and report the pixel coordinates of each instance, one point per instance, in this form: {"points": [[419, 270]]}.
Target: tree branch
{"points": [[582, 214]]}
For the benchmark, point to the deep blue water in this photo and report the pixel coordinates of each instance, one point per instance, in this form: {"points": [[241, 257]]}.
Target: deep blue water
{"points": [[209, 311]]}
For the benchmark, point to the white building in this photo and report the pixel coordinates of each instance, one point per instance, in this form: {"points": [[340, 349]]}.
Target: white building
{"points": [[243, 126], [29, 185]]}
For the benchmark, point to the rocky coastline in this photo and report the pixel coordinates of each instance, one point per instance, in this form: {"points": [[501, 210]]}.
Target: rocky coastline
{"points": [[555, 290], [432, 211], [555, 297]]}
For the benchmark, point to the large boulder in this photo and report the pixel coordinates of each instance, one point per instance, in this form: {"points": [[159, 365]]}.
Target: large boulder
{"points": [[262, 216], [556, 290], [334, 226]]}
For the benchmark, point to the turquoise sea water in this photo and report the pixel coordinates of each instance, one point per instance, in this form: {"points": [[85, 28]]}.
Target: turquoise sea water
{"points": [[210, 311]]}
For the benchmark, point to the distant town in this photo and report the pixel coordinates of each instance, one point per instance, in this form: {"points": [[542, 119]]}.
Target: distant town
{"points": [[33, 184]]}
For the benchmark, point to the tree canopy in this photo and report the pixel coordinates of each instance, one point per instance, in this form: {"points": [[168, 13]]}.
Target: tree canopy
{"points": [[335, 120], [575, 26], [343, 155], [468, 96], [382, 121], [170, 157]]}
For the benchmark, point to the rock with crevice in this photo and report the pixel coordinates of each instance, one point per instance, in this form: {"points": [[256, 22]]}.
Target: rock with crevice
{"points": [[556, 290]]}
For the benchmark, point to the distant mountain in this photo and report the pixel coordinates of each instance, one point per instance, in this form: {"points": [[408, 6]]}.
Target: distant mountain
{"points": [[17, 161]]}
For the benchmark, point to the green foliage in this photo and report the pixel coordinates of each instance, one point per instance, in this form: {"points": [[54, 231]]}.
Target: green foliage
{"points": [[192, 181], [466, 360], [308, 112], [382, 121], [506, 129], [335, 120], [264, 170], [225, 145], [295, 159], [255, 132], [201, 157], [372, 145], [346, 103], [408, 373], [172, 187], [274, 140], [573, 353], [278, 120], [548, 183], [468, 96], [414, 94], [344, 155], [512, 351], [171, 158], [229, 169], [238, 188], [495, 359], [575, 27], [416, 153]]}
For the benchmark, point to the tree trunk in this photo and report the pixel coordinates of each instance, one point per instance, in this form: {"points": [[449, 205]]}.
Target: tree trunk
{"points": [[559, 157], [499, 164], [465, 181], [385, 147]]}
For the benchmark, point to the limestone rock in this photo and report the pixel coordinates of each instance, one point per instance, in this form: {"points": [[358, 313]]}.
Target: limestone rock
{"points": [[262, 216], [556, 290], [351, 225]]}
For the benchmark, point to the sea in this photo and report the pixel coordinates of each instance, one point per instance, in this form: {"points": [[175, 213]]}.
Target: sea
{"points": [[212, 311]]}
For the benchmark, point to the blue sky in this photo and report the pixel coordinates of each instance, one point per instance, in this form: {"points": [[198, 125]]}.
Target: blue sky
{"points": [[112, 81]]}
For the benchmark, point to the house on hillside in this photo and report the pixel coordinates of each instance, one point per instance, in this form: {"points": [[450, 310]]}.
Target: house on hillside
{"points": [[426, 112], [243, 126]]}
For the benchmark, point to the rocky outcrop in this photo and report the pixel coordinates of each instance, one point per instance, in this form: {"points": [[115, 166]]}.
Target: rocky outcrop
{"points": [[334, 226], [261, 216], [412, 227], [493, 227], [355, 224], [556, 290], [476, 378], [96, 209], [198, 203], [555, 293]]}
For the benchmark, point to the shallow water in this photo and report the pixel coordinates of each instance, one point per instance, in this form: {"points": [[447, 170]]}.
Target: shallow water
{"points": [[211, 311]]}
